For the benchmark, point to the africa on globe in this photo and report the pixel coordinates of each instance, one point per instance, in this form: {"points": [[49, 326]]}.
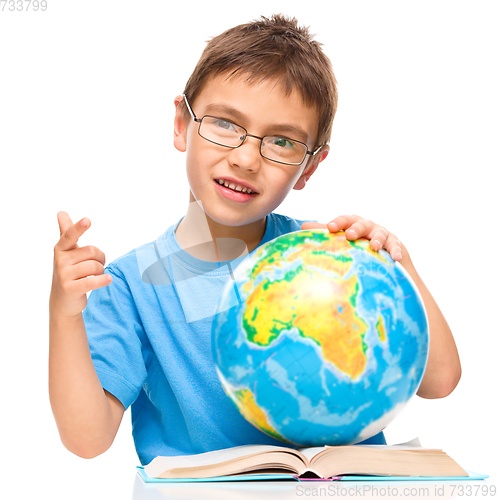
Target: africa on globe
{"points": [[326, 341]]}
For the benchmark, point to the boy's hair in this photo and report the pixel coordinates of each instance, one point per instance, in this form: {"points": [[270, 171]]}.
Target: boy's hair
{"points": [[268, 48]]}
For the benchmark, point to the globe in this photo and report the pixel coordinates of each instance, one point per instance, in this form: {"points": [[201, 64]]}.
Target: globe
{"points": [[318, 340]]}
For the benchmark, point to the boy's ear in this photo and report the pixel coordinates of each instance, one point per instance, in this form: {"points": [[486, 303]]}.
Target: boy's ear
{"points": [[180, 127], [310, 169]]}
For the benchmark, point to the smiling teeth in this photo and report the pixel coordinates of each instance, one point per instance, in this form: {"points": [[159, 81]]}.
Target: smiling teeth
{"points": [[235, 187]]}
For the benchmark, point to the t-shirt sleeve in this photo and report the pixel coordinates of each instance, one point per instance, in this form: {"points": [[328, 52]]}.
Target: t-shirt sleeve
{"points": [[114, 333]]}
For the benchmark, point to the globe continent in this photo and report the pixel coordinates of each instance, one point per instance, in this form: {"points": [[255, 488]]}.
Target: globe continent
{"points": [[326, 342]]}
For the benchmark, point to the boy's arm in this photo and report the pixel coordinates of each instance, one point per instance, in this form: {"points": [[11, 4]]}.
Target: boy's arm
{"points": [[87, 417], [443, 369]]}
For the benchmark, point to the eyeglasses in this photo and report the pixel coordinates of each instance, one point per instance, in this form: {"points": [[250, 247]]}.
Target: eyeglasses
{"points": [[230, 135]]}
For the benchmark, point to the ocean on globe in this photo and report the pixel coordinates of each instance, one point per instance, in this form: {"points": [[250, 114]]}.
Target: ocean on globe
{"points": [[319, 340]]}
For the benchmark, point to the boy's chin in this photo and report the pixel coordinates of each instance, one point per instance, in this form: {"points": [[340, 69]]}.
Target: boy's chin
{"points": [[233, 217], [236, 220]]}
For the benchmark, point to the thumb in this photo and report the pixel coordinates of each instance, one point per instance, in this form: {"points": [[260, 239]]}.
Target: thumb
{"points": [[64, 221]]}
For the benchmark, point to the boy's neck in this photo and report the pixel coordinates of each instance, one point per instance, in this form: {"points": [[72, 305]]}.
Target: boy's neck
{"points": [[205, 239]]}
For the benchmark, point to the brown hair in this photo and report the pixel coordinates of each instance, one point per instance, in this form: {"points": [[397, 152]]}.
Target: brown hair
{"points": [[267, 48]]}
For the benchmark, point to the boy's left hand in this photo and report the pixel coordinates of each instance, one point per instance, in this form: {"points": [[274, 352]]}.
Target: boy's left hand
{"points": [[356, 227]]}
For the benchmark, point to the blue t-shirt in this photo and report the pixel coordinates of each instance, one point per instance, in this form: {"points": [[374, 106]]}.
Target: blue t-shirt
{"points": [[149, 333]]}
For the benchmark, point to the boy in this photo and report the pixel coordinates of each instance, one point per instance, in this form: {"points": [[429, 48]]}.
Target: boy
{"points": [[254, 121]]}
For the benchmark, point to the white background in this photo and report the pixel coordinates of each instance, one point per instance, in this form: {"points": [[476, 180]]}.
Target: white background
{"points": [[86, 112]]}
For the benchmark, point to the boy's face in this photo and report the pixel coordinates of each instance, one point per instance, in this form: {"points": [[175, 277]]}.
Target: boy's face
{"points": [[262, 109]]}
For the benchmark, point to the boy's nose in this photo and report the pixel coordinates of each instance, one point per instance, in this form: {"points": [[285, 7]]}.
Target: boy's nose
{"points": [[247, 155]]}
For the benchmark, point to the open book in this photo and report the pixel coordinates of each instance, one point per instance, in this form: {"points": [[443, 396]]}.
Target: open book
{"points": [[408, 459]]}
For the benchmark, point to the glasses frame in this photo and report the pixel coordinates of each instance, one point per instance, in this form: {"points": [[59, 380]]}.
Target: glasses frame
{"points": [[246, 135]]}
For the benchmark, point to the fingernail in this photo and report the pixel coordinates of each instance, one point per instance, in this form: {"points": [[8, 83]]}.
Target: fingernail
{"points": [[352, 232], [398, 256], [84, 222], [332, 225], [377, 243]]}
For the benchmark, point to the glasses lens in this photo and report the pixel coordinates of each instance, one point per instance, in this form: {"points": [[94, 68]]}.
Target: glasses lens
{"points": [[221, 131], [283, 150]]}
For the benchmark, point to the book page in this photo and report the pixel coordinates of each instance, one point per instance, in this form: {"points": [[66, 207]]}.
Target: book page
{"points": [[160, 464], [309, 453], [385, 460]]}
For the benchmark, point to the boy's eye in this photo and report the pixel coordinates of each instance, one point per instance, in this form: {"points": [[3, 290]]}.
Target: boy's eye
{"points": [[225, 124], [283, 142]]}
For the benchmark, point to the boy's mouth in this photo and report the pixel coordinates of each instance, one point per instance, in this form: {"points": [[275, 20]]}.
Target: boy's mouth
{"points": [[234, 186]]}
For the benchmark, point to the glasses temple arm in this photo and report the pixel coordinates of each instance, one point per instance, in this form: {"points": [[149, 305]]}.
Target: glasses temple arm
{"points": [[189, 108], [313, 153]]}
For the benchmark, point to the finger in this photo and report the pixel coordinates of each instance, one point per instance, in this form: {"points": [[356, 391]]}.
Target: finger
{"points": [[313, 225], [89, 252], [393, 246], [69, 238], [342, 222], [362, 228], [64, 221], [379, 238], [85, 269], [90, 283]]}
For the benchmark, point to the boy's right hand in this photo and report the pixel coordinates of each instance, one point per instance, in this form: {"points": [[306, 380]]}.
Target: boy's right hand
{"points": [[76, 270]]}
